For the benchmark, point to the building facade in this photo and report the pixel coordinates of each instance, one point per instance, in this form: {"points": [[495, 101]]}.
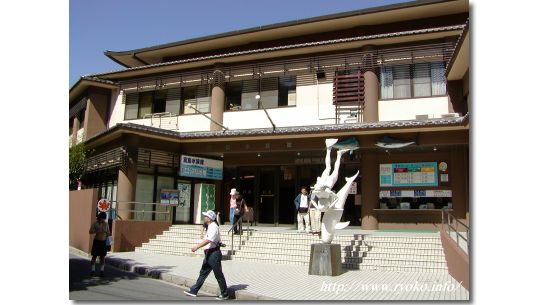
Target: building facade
{"points": [[251, 110]]}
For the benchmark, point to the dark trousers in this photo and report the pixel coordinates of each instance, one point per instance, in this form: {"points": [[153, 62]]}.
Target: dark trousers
{"points": [[239, 228], [212, 261]]}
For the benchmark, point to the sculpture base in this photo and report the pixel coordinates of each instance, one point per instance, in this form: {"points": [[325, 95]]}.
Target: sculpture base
{"points": [[325, 259]]}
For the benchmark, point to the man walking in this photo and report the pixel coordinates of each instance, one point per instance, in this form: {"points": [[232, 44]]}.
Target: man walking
{"points": [[301, 205], [212, 259]]}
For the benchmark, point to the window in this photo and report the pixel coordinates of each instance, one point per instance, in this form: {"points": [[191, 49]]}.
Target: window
{"points": [[274, 92], [413, 80], [198, 97], [140, 104]]}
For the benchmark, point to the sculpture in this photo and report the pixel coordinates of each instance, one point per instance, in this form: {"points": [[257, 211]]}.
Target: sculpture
{"points": [[325, 200]]}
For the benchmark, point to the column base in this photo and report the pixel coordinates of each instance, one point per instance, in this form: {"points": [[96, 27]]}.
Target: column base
{"points": [[325, 259]]}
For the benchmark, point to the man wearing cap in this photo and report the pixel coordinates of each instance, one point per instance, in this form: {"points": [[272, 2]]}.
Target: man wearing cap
{"points": [[233, 204], [212, 259]]}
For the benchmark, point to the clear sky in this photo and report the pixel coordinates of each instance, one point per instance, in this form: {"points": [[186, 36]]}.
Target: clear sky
{"points": [[120, 25]]}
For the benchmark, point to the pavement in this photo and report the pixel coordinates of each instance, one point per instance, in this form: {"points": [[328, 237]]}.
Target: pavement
{"points": [[249, 280]]}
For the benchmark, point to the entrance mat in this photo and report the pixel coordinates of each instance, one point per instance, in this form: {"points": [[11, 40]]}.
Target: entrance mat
{"points": [[413, 231]]}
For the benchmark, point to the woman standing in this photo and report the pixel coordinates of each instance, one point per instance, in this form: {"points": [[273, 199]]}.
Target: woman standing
{"points": [[233, 204], [240, 209]]}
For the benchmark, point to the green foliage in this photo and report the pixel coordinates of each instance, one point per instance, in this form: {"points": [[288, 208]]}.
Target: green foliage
{"points": [[77, 162]]}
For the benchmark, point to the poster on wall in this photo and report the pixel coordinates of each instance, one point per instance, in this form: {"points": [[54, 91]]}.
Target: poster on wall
{"points": [[184, 199], [169, 197], [198, 167], [204, 200], [408, 174]]}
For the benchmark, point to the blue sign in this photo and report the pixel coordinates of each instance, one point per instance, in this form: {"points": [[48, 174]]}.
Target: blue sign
{"points": [[197, 167]]}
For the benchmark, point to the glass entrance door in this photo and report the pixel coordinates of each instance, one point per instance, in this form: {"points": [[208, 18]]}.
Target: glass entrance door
{"points": [[267, 195]]}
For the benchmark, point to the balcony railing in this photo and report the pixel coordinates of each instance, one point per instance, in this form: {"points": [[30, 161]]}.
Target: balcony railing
{"points": [[164, 120]]}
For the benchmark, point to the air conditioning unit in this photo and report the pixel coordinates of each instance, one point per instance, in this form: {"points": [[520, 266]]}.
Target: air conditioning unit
{"points": [[450, 115], [422, 116]]}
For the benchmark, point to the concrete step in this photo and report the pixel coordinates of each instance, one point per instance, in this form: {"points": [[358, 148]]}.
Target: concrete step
{"points": [[225, 254], [394, 268]]}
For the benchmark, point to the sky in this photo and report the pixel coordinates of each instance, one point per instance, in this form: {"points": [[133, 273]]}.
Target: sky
{"points": [[100, 25]]}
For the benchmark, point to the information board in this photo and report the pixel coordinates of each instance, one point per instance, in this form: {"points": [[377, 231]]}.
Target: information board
{"points": [[408, 174], [197, 167]]}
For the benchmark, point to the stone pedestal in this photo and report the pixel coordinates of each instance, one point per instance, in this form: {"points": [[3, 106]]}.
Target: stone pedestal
{"points": [[325, 259]]}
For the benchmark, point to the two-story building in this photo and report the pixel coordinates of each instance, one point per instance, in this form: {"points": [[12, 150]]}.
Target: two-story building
{"points": [[251, 110]]}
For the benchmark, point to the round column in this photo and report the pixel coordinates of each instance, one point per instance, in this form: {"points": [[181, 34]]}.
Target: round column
{"points": [[369, 189], [371, 88], [217, 100]]}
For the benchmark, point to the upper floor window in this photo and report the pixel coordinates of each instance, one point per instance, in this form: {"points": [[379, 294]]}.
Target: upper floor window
{"points": [[173, 100], [413, 80], [274, 92]]}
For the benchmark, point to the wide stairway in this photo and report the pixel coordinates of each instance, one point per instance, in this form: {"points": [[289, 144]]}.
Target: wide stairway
{"points": [[396, 252]]}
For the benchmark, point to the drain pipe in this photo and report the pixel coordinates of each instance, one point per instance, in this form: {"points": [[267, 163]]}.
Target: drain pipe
{"points": [[199, 112], [257, 97]]}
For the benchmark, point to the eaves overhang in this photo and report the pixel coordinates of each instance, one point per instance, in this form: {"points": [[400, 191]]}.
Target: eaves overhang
{"points": [[333, 22], [86, 82], [287, 50], [459, 62], [315, 131]]}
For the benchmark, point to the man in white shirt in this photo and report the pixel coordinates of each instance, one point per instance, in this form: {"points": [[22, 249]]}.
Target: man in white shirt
{"points": [[301, 204], [213, 257]]}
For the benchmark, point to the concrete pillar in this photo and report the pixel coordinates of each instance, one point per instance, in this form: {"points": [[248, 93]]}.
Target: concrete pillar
{"points": [[96, 111], [370, 190], [371, 97], [76, 127], [217, 100], [127, 180], [457, 169], [371, 88]]}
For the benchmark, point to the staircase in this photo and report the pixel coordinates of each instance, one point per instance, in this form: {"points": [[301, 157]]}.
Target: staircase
{"points": [[359, 251], [179, 240]]}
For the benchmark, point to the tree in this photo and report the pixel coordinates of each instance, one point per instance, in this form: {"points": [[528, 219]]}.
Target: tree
{"points": [[77, 164]]}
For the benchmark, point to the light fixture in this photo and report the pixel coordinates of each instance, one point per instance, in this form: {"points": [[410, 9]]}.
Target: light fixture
{"points": [[257, 97], [259, 155], [298, 153], [435, 148]]}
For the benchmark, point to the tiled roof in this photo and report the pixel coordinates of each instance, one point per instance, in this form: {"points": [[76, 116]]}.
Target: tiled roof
{"points": [[292, 130], [292, 46]]}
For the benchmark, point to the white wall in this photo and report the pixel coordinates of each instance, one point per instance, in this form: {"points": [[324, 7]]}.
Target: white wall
{"points": [[117, 110], [407, 109], [314, 107]]}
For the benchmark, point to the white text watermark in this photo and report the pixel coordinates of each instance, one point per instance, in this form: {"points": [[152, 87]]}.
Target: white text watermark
{"points": [[399, 288]]}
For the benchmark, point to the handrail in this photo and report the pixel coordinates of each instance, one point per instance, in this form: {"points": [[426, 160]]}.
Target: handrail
{"points": [[160, 116], [168, 211], [240, 224], [448, 223]]}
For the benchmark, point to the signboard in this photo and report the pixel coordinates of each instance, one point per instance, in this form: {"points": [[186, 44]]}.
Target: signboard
{"points": [[408, 174], [197, 167], [353, 188], [183, 209], [169, 197], [103, 205], [414, 193], [204, 200]]}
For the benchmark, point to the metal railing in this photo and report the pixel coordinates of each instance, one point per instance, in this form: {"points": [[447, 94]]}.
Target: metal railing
{"points": [[239, 225], [452, 226], [164, 120], [140, 214]]}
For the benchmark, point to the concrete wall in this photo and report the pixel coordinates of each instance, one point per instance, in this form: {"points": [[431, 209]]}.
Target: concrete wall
{"points": [[82, 206], [129, 234], [457, 260], [407, 109]]}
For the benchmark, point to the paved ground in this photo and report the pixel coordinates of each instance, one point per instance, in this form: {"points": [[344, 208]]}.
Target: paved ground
{"points": [[119, 285], [253, 280]]}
